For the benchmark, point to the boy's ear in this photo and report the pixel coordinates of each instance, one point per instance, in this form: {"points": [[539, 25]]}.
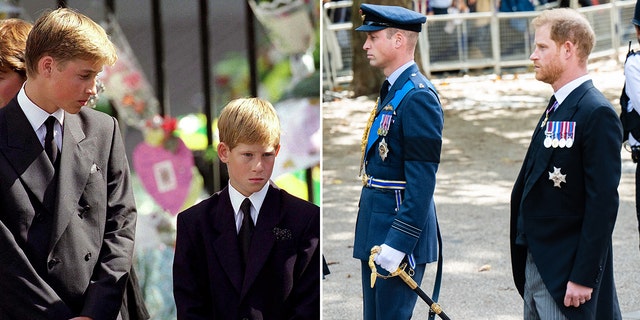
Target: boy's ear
{"points": [[277, 149], [45, 65], [223, 152]]}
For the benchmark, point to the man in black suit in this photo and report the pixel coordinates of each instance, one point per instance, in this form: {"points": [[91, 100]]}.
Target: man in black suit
{"points": [[67, 213], [251, 250], [565, 200]]}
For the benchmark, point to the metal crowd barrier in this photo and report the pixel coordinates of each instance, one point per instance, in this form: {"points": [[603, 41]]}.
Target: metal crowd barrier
{"points": [[478, 40]]}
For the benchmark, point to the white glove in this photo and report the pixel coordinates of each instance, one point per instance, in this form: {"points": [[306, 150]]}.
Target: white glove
{"points": [[389, 258]]}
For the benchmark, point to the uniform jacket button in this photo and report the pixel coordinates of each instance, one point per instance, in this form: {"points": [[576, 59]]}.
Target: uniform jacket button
{"points": [[87, 257]]}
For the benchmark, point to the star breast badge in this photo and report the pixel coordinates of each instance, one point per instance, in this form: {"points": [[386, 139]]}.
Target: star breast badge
{"points": [[557, 177]]}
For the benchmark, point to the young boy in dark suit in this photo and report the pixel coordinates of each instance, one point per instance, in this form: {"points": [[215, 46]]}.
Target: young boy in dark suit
{"points": [[67, 213], [250, 251]]}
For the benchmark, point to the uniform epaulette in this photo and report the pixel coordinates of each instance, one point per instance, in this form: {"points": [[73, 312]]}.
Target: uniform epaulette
{"points": [[421, 82]]}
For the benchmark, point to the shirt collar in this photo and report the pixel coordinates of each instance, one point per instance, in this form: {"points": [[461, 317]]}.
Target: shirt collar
{"points": [[257, 198], [35, 114], [396, 74], [564, 92]]}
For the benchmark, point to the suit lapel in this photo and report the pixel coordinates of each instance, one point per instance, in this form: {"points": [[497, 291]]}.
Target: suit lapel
{"points": [[225, 243], [542, 155], [22, 149], [76, 159], [263, 238]]}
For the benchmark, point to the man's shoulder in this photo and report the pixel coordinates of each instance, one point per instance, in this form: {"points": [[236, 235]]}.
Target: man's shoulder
{"points": [[300, 205], [201, 208], [633, 61], [89, 117]]}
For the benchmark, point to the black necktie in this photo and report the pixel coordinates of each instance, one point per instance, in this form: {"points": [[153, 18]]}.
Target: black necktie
{"points": [[246, 230], [384, 90], [50, 146]]}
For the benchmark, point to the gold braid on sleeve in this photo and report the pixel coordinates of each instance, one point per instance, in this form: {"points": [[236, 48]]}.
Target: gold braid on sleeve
{"points": [[365, 137]]}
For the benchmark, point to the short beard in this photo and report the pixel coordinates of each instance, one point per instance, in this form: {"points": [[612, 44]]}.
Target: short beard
{"points": [[550, 73]]}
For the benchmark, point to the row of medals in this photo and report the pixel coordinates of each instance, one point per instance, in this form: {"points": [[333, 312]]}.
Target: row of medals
{"points": [[559, 134], [385, 123]]}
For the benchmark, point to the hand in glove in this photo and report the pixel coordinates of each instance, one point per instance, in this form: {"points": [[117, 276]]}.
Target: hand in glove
{"points": [[389, 258]]}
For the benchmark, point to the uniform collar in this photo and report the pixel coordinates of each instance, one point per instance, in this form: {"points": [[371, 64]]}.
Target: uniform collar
{"points": [[396, 74]]}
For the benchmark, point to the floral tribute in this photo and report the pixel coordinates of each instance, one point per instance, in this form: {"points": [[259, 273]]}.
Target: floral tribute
{"points": [[165, 165]]}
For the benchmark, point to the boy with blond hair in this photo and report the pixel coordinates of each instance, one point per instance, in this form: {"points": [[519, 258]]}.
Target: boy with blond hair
{"points": [[67, 212], [251, 250]]}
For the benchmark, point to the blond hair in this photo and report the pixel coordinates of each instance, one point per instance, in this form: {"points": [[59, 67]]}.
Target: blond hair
{"points": [[66, 35], [13, 39], [249, 121], [568, 25]]}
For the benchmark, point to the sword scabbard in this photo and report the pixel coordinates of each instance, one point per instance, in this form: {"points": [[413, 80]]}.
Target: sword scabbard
{"points": [[407, 279]]}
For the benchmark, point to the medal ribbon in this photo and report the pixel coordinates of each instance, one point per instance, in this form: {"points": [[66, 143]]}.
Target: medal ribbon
{"points": [[561, 130], [572, 130], [397, 98], [551, 109], [386, 124]]}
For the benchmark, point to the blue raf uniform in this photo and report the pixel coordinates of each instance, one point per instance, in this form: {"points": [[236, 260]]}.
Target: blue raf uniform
{"points": [[401, 153]]}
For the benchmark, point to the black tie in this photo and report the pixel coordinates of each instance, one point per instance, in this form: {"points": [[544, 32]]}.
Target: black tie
{"points": [[246, 230], [50, 146], [384, 90]]}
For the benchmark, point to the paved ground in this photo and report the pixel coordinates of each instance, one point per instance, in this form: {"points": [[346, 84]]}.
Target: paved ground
{"points": [[488, 124]]}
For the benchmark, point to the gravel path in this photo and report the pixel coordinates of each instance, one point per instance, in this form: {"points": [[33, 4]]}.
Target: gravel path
{"points": [[488, 125]]}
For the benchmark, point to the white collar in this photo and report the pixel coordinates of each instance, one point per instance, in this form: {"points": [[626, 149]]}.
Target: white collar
{"points": [[257, 198], [35, 114], [564, 92]]}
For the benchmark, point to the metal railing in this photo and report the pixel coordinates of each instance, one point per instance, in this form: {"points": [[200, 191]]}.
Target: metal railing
{"points": [[479, 40]]}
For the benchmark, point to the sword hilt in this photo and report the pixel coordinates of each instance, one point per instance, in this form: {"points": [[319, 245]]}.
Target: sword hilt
{"points": [[374, 272], [434, 306]]}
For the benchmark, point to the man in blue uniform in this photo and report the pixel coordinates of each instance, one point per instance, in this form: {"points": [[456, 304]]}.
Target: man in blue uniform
{"points": [[400, 156]]}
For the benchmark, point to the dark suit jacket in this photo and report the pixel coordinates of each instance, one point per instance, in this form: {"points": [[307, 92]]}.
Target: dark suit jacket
{"points": [[85, 229], [568, 229], [282, 280]]}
